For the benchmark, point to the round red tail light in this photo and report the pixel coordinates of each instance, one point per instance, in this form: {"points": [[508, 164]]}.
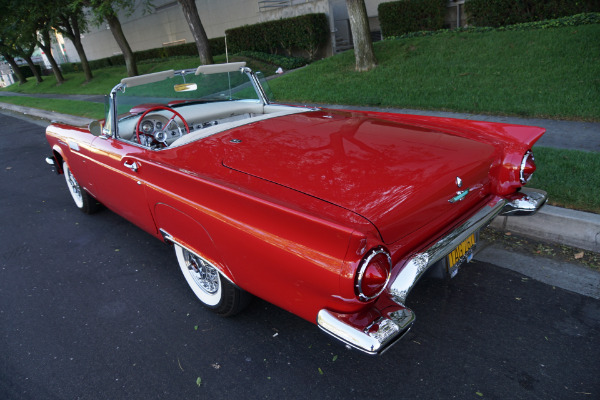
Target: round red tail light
{"points": [[527, 167], [373, 274]]}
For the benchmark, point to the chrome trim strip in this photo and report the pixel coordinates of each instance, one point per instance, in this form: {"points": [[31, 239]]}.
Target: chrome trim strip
{"points": [[420, 262]]}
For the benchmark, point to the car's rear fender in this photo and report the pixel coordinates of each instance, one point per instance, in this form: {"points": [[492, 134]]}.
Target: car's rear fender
{"points": [[181, 229]]}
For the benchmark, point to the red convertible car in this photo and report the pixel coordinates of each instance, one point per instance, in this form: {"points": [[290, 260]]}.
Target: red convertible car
{"points": [[331, 215]]}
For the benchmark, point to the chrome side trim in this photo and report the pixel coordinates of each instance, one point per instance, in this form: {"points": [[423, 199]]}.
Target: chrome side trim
{"points": [[420, 262], [526, 202]]}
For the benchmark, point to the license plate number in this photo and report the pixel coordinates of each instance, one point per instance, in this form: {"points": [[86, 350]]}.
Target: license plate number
{"points": [[463, 252]]}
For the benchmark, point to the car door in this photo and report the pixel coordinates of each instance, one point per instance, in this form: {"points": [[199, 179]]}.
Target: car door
{"points": [[118, 172]]}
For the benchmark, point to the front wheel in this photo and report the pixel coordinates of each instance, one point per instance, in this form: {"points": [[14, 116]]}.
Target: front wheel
{"points": [[214, 291], [83, 200]]}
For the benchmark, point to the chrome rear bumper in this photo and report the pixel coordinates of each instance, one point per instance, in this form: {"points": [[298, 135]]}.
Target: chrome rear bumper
{"points": [[389, 319]]}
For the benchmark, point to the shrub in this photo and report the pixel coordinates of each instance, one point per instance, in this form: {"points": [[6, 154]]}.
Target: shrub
{"points": [[26, 71], [275, 59], [573, 20], [507, 12], [217, 46], [306, 33], [399, 17]]}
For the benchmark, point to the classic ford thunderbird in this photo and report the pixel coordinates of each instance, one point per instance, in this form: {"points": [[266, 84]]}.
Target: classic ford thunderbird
{"points": [[331, 215]]}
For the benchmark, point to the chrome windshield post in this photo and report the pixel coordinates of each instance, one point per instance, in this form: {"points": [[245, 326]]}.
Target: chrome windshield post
{"points": [[110, 127], [257, 85]]}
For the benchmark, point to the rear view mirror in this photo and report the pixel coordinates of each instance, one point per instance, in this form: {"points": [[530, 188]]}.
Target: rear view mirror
{"points": [[185, 87]]}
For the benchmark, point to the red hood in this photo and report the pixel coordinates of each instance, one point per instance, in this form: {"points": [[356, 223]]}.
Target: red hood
{"points": [[399, 177]]}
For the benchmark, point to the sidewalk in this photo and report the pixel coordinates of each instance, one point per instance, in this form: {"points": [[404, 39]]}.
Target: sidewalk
{"points": [[570, 227]]}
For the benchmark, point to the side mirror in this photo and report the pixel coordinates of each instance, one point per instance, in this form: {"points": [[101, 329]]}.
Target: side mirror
{"points": [[95, 128]]}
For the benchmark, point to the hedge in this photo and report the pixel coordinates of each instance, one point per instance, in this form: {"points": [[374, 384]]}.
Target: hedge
{"points": [[26, 71], [497, 13], [573, 20], [217, 46], [306, 33], [275, 59], [399, 17]]}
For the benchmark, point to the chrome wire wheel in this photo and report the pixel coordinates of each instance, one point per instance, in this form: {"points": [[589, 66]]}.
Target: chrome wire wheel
{"points": [[203, 278], [213, 290], [74, 187]]}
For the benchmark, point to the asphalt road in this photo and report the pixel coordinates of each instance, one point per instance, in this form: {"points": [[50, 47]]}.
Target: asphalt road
{"points": [[91, 307]]}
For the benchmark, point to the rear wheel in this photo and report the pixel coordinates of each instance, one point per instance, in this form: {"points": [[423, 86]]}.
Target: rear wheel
{"points": [[83, 200], [214, 291]]}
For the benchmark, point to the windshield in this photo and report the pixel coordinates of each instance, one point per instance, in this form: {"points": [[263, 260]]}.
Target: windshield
{"points": [[186, 87]]}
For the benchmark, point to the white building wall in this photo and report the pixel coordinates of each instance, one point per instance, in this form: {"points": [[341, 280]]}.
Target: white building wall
{"points": [[167, 24]]}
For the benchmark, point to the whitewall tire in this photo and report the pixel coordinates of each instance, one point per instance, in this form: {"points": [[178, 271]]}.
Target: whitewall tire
{"points": [[213, 290]]}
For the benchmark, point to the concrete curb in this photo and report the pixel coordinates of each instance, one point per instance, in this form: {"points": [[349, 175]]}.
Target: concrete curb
{"points": [[560, 225], [573, 277], [573, 228]]}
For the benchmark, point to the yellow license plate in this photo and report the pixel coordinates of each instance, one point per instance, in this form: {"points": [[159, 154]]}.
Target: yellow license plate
{"points": [[463, 252]]}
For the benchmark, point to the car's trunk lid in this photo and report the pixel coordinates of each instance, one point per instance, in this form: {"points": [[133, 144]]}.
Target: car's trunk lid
{"points": [[400, 177]]}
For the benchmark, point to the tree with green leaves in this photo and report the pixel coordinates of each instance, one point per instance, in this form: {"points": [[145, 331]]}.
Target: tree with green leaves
{"points": [[16, 42], [7, 38], [44, 42], [13, 64], [106, 11], [70, 21], [190, 11], [35, 18], [361, 34]]}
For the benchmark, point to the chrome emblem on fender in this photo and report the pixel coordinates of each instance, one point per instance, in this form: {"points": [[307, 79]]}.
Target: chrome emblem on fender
{"points": [[458, 182]]}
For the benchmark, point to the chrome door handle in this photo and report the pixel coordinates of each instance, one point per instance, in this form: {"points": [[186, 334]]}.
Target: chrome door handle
{"points": [[133, 166]]}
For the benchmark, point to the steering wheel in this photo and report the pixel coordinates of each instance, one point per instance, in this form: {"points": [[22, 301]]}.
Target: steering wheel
{"points": [[160, 135]]}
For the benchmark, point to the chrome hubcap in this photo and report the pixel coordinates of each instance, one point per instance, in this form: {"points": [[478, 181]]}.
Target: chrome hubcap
{"points": [[203, 274]]}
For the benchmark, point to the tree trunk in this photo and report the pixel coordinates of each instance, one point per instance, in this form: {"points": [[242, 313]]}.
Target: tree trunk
{"points": [[11, 61], [193, 19], [85, 65], [46, 45], [34, 70], [363, 45], [117, 31], [71, 30]]}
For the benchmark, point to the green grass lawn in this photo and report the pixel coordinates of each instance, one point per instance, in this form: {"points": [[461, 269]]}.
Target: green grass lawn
{"points": [[552, 73], [72, 107], [571, 177]]}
